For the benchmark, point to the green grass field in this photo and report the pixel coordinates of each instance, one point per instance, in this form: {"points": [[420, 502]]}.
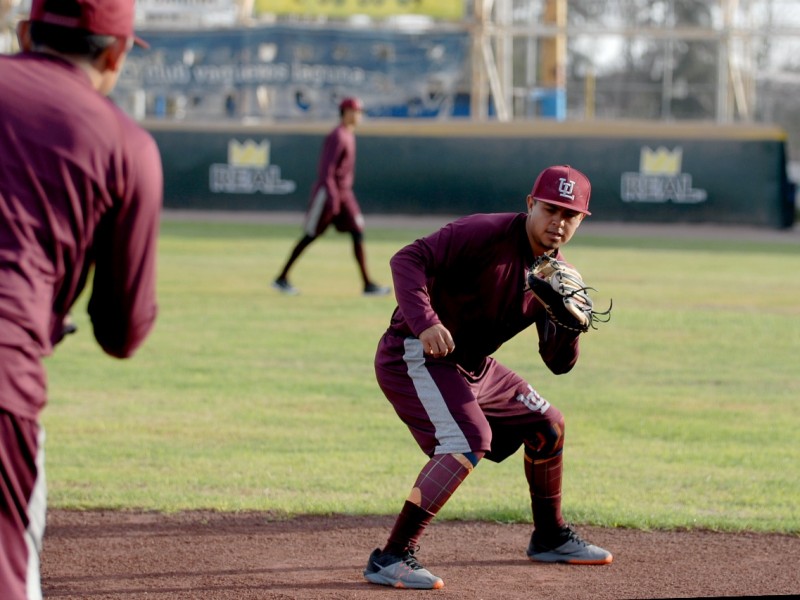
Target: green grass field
{"points": [[682, 411]]}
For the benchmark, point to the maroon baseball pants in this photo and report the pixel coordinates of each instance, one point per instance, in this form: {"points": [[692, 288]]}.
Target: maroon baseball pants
{"points": [[450, 411], [22, 506]]}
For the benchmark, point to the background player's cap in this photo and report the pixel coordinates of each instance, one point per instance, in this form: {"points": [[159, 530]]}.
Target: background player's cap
{"points": [[102, 17], [563, 186], [350, 103]]}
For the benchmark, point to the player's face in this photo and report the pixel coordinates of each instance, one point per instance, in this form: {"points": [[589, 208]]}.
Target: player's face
{"points": [[352, 117], [550, 226]]}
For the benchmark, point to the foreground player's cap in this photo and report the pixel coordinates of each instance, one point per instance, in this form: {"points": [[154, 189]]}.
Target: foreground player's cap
{"points": [[563, 186], [351, 104], [102, 17]]}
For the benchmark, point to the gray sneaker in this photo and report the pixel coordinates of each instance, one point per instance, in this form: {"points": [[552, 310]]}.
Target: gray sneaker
{"points": [[373, 289], [566, 546], [282, 285], [400, 571]]}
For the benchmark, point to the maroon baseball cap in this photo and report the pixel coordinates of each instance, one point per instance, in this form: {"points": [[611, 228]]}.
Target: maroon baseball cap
{"points": [[102, 17], [350, 104], [563, 186]]}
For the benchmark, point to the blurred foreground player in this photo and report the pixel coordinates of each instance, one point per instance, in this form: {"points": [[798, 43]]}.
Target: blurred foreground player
{"points": [[462, 292], [80, 186], [333, 200]]}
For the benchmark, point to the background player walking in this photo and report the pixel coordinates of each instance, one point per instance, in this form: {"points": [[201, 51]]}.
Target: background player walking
{"points": [[80, 185], [333, 201], [461, 293]]}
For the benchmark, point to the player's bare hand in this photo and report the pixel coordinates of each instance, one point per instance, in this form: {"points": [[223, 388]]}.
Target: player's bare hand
{"points": [[437, 341]]}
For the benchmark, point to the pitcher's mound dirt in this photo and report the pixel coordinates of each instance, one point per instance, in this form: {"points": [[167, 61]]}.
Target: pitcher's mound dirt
{"points": [[208, 556]]}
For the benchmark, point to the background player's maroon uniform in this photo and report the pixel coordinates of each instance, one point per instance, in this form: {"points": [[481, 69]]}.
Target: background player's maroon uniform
{"points": [[80, 185], [332, 197], [333, 201]]}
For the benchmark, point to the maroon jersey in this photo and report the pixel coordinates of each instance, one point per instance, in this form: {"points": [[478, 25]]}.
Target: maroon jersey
{"points": [[337, 165], [470, 276], [332, 198], [80, 185]]}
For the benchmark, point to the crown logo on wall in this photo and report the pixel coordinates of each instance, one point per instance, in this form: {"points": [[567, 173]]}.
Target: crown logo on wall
{"points": [[248, 154], [660, 161]]}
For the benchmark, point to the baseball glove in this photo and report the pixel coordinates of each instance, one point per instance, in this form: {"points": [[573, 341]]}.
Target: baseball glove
{"points": [[565, 296]]}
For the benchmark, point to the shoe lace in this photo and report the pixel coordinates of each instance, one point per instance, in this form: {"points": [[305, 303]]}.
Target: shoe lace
{"points": [[569, 534], [410, 560]]}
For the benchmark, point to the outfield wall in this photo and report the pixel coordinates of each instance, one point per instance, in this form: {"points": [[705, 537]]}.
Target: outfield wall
{"points": [[640, 172]]}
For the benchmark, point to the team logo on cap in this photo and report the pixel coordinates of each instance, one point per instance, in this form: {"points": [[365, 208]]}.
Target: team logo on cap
{"points": [[566, 188]]}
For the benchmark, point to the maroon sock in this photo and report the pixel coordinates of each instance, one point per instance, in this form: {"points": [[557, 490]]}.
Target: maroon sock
{"points": [[361, 259], [544, 481], [408, 528], [436, 482], [301, 245]]}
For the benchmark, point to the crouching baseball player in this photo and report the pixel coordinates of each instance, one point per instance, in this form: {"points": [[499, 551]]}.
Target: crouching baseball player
{"points": [[461, 292]]}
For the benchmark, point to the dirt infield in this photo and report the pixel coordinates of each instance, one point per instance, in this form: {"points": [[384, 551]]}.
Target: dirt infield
{"points": [[216, 556], [210, 556]]}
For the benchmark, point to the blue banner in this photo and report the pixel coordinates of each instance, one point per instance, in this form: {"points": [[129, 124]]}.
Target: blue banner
{"points": [[282, 72]]}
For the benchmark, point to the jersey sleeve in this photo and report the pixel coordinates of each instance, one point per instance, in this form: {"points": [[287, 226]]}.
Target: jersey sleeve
{"points": [[417, 265], [558, 346], [123, 305]]}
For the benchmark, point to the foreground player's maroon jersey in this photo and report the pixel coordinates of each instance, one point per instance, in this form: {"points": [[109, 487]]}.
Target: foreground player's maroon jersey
{"points": [[80, 184], [470, 276]]}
